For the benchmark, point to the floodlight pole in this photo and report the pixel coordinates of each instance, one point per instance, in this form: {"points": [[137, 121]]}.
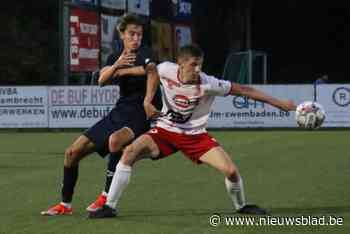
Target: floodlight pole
{"points": [[64, 58], [249, 41]]}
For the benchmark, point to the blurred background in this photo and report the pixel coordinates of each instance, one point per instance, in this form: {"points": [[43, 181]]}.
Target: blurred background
{"points": [[283, 42]]}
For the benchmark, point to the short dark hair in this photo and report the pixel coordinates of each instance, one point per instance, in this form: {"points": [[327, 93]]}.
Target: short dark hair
{"points": [[190, 50], [127, 19]]}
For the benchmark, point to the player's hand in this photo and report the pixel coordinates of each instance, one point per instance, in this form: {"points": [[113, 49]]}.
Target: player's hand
{"points": [[126, 59], [288, 105], [151, 111]]}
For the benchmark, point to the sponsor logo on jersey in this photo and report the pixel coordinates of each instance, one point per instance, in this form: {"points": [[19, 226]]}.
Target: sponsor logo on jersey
{"points": [[183, 101]]}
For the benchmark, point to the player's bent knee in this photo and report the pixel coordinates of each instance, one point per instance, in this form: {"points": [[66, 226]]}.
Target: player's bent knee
{"points": [[114, 144], [68, 157], [129, 155], [72, 156], [120, 138]]}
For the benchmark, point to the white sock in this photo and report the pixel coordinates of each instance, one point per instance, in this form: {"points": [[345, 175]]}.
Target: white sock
{"points": [[120, 181], [68, 205], [236, 192], [104, 193]]}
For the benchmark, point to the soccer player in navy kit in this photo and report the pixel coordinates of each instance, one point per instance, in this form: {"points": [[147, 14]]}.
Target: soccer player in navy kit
{"points": [[125, 122]]}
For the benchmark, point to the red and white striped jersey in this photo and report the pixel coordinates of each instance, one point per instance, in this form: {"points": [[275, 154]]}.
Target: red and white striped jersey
{"points": [[187, 106]]}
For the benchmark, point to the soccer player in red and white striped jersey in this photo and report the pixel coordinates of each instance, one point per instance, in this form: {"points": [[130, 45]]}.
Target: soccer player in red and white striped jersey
{"points": [[187, 97]]}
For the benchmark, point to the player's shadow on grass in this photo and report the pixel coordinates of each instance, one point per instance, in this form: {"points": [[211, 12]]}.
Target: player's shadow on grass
{"points": [[324, 210], [179, 212], [289, 211]]}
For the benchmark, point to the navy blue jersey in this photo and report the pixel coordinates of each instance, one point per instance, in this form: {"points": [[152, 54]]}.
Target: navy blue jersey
{"points": [[129, 111], [133, 88]]}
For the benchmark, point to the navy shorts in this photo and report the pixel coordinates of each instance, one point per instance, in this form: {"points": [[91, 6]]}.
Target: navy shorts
{"points": [[132, 116]]}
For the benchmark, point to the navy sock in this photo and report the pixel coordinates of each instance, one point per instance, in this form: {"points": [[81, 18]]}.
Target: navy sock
{"points": [[112, 163], [70, 177]]}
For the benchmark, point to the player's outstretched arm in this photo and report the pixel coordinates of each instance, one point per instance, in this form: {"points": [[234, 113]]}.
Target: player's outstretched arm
{"points": [[152, 85], [247, 91]]}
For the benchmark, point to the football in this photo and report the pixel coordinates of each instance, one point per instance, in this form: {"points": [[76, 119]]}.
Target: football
{"points": [[310, 115]]}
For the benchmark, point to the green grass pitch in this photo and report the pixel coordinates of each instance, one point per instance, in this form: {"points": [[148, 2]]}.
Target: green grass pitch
{"points": [[291, 173]]}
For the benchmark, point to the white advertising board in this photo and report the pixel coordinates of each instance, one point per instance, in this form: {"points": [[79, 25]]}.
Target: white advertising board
{"points": [[336, 102], [240, 112], [80, 106], [23, 107]]}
